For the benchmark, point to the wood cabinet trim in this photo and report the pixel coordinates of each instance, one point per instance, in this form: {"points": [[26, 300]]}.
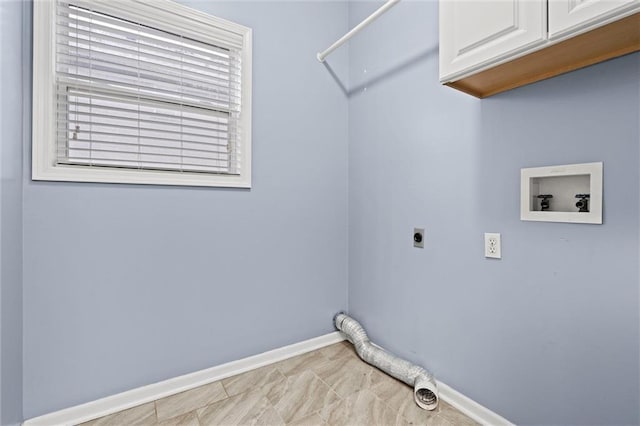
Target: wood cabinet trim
{"points": [[609, 41]]}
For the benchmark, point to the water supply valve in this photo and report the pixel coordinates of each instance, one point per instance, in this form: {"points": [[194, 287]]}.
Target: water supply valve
{"points": [[583, 203], [544, 201]]}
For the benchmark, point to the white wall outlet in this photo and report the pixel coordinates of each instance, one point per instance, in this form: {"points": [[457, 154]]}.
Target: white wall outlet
{"points": [[492, 246]]}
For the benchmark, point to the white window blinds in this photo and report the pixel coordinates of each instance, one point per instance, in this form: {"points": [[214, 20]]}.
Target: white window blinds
{"points": [[130, 95]]}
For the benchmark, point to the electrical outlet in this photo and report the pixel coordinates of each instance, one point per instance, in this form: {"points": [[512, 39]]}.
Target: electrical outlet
{"points": [[492, 246], [418, 237]]}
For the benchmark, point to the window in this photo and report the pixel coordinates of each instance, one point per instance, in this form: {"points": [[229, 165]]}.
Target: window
{"points": [[142, 91]]}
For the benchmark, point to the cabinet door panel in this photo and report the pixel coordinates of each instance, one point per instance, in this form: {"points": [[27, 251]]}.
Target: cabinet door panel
{"points": [[570, 17], [475, 34]]}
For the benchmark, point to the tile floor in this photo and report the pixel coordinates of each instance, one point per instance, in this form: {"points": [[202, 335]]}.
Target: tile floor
{"points": [[330, 386]]}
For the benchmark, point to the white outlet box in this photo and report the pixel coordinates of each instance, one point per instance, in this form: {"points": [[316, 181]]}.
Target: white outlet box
{"points": [[492, 246]]}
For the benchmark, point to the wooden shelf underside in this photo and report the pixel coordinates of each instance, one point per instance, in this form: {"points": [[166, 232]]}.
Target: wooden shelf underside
{"points": [[609, 41]]}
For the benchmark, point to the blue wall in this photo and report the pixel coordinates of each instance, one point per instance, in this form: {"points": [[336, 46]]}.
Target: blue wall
{"points": [[11, 136], [547, 335], [127, 285]]}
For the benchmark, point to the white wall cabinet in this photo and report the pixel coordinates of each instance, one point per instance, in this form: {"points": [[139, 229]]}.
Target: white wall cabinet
{"points": [[574, 16], [489, 46], [474, 34]]}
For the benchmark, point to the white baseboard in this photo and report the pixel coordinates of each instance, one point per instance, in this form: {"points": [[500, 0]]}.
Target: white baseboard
{"points": [[142, 395], [469, 407], [134, 397]]}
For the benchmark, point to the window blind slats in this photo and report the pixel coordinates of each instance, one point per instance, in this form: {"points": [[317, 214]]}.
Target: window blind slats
{"points": [[93, 137], [132, 96], [215, 119], [160, 65], [152, 142], [71, 56], [130, 47], [145, 80], [148, 162], [205, 33], [117, 129], [100, 22], [125, 122], [139, 87], [103, 148]]}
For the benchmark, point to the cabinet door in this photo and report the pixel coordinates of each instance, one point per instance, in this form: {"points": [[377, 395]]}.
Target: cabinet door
{"points": [[476, 34], [570, 17]]}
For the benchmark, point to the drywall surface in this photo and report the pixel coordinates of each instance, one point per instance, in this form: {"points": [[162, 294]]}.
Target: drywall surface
{"points": [[127, 285], [10, 213], [11, 79], [547, 335]]}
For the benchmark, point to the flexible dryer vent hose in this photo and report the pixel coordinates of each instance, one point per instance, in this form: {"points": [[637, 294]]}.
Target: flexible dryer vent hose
{"points": [[425, 390]]}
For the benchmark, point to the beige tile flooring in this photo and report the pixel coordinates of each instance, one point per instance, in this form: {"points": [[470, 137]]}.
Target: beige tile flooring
{"points": [[329, 386]]}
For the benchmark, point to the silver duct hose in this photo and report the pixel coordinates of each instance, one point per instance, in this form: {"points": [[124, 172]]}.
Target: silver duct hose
{"points": [[425, 390]]}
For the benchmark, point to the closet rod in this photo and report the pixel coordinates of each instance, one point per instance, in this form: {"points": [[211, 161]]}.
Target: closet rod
{"points": [[388, 5]]}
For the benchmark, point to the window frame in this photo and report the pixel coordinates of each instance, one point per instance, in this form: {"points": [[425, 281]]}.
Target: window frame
{"points": [[164, 15]]}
